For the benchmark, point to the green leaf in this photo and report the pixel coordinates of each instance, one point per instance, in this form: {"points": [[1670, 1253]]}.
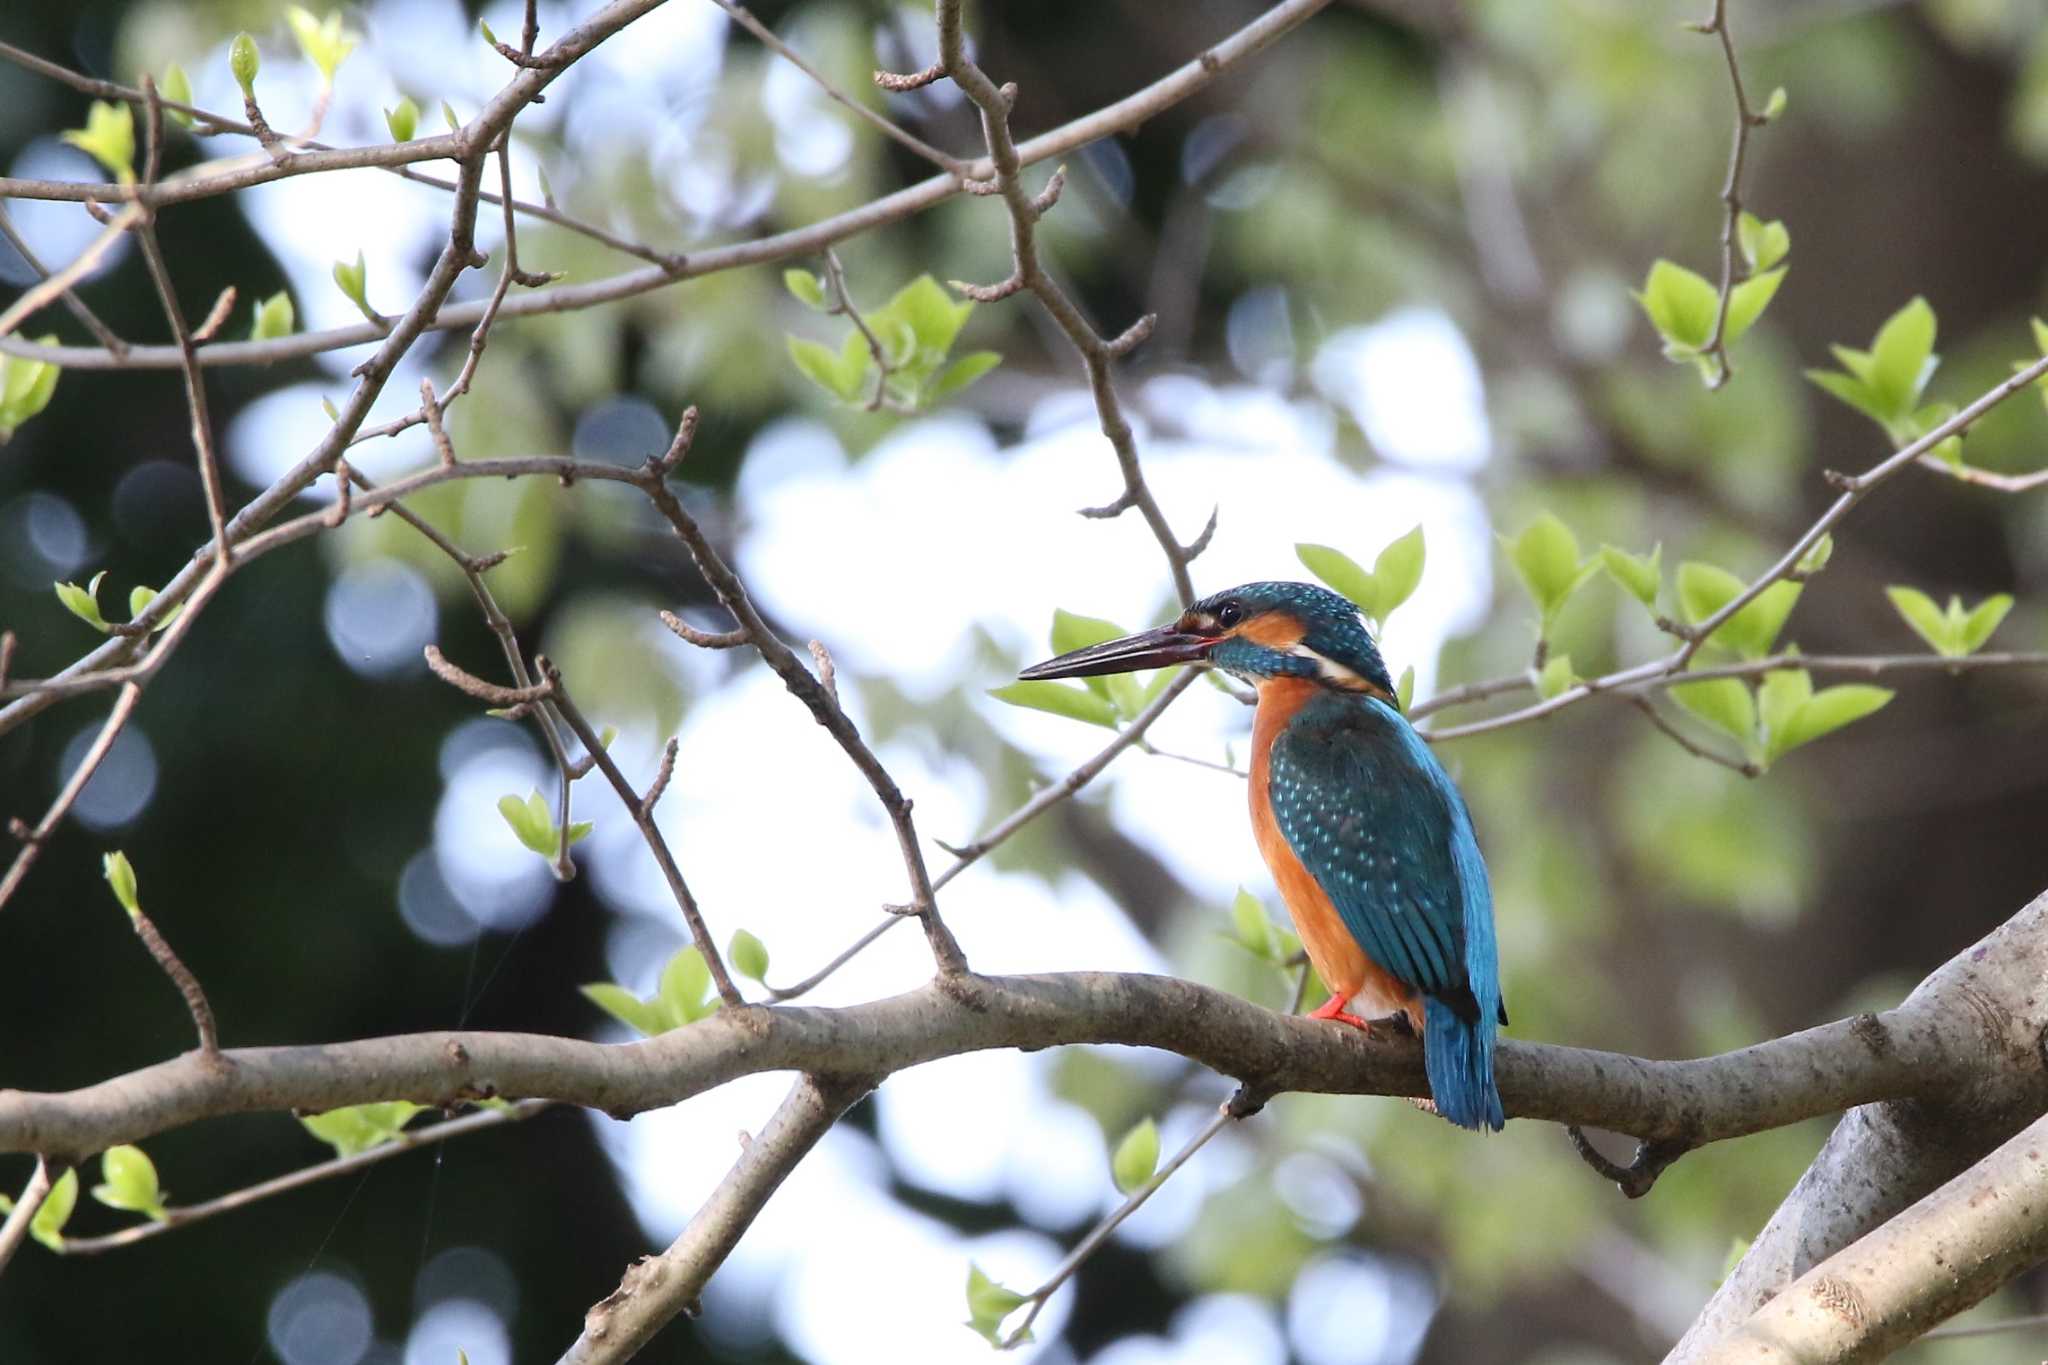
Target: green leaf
{"points": [[1071, 632], [1137, 1157], [1556, 676], [84, 602], [1902, 358], [176, 87], [274, 317], [109, 138], [827, 369], [47, 1226], [1254, 929], [530, 822], [1817, 556], [1747, 301], [1398, 571], [1774, 107], [1926, 619], [579, 830], [1851, 390], [1404, 690], [1780, 697], [403, 120], [685, 981], [484, 27], [353, 282], [644, 1017], [448, 116], [1639, 575], [327, 406], [988, 1303], [1075, 703], [120, 875], [25, 388], [129, 1182], [244, 61], [805, 288], [961, 373], [933, 318], [1680, 304], [1546, 556], [749, 955], [322, 40], [1982, 620], [1343, 574], [359, 1127], [1827, 711], [1704, 589], [1763, 244], [1724, 703]]}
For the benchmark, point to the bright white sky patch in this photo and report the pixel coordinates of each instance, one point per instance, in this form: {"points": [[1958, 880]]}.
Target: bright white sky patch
{"points": [[1412, 384]]}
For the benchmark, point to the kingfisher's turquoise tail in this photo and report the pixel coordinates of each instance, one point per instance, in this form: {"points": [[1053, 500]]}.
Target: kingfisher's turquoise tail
{"points": [[1459, 1058]]}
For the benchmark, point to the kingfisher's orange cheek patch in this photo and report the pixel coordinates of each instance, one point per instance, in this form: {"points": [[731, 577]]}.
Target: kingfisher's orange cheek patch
{"points": [[1275, 630]]}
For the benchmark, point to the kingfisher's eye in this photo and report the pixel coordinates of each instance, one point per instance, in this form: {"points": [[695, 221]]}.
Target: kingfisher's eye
{"points": [[1229, 614]]}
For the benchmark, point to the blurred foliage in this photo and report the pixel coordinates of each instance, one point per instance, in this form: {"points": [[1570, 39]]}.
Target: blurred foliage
{"points": [[1521, 170]]}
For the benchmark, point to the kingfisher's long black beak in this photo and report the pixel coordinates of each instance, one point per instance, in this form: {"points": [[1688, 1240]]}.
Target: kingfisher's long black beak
{"points": [[1147, 649]]}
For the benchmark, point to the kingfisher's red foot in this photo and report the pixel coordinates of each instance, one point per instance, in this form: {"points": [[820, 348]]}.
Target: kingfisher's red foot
{"points": [[1333, 1010]]}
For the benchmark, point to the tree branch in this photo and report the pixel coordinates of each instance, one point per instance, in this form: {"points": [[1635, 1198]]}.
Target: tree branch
{"points": [[1945, 1039], [659, 1287], [1127, 113], [1929, 1263]]}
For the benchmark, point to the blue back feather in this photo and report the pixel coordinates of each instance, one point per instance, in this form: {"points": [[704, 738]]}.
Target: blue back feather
{"points": [[1380, 826]]}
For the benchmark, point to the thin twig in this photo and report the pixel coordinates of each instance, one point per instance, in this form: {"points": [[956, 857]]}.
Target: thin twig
{"points": [[969, 854], [1243, 1104], [1686, 742], [58, 284], [19, 1218], [1137, 108], [732, 595], [842, 306], [79, 310], [703, 639], [642, 812], [404, 1141], [746, 20], [1027, 272], [181, 334], [490, 693], [181, 976], [1746, 121], [102, 744]]}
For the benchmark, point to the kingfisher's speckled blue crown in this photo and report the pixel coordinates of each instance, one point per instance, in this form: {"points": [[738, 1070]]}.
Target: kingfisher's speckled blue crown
{"points": [[1279, 629]]}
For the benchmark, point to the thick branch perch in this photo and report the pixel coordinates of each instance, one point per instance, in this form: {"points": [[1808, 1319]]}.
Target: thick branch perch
{"points": [[1925, 1049]]}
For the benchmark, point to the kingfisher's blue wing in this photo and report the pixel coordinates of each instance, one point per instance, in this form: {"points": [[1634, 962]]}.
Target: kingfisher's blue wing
{"points": [[1378, 824]]}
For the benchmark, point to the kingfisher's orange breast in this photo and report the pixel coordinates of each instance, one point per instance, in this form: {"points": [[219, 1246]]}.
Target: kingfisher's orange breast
{"points": [[1338, 958]]}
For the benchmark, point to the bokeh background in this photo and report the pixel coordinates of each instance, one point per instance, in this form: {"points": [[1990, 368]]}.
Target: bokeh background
{"points": [[1391, 260]]}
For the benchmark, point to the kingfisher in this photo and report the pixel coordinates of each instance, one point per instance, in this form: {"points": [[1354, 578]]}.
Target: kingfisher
{"points": [[1365, 833]]}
